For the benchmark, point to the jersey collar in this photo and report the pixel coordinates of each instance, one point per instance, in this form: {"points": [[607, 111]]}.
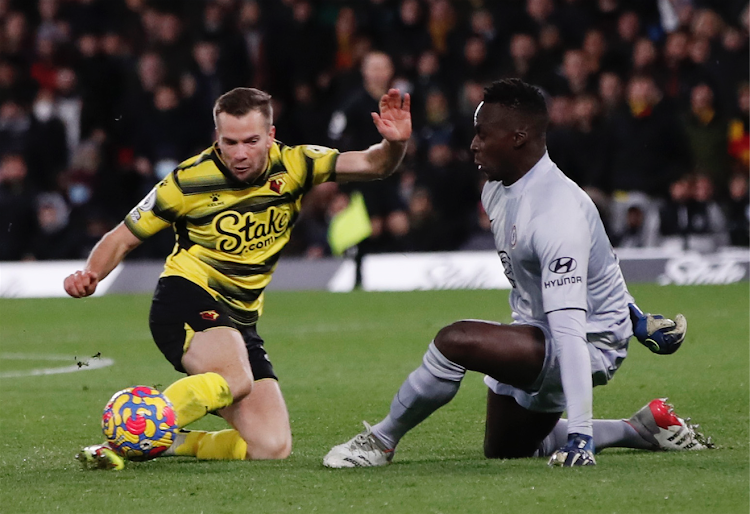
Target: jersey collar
{"points": [[540, 168]]}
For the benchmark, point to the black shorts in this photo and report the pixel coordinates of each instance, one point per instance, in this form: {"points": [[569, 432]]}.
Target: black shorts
{"points": [[177, 302]]}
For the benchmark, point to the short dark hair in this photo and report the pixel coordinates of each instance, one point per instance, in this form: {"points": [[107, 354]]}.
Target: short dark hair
{"points": [[517, 95], [241, 100]]}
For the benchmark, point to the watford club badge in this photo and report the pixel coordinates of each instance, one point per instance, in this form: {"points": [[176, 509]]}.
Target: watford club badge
{"points": [[276, 184], [210, 315]]}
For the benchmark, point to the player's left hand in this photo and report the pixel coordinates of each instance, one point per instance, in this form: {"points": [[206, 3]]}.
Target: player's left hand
{"points": [[579, 451], [659, 334], [394, 120]]}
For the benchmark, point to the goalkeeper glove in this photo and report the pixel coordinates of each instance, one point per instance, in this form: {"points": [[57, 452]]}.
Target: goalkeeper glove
{"points": [[579, 451], [657, 333]]}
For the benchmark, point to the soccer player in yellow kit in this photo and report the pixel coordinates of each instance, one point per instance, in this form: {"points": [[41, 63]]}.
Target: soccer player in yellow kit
{"points": [[232, 208]]}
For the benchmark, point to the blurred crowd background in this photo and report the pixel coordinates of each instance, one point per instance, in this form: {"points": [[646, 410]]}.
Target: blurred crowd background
{"points": [[100, 99]]}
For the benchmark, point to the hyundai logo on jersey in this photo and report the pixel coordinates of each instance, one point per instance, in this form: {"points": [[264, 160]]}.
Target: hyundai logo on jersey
{"points": [[563, 265]]}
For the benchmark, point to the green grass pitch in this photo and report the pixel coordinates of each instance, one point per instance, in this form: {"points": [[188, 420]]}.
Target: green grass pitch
{"points": [[341, 357]]}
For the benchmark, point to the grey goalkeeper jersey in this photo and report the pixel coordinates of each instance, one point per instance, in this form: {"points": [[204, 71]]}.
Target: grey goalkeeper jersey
{"points": [[556, 254]]}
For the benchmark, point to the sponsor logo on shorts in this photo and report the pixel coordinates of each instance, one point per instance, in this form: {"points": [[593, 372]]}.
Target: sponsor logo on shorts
{"points": [[563, 265], [210, 315]]}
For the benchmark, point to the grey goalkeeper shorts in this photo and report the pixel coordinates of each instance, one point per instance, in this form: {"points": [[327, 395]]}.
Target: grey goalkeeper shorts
{"points": [[546, 394]]}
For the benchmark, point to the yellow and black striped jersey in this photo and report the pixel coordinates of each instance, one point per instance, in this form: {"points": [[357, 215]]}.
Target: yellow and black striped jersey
{"points": [[229, 234]]}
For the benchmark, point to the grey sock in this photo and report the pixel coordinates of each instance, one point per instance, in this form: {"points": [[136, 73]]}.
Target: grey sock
{"points": [[429, 387], [608, 433]]}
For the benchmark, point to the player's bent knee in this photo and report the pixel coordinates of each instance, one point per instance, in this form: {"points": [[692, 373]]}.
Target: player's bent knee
{"points": [[240, 386], [453, 341], [271, 448]]}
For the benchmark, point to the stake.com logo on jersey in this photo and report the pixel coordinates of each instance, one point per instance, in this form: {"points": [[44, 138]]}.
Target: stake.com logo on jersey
{"points": [[561, 266]]}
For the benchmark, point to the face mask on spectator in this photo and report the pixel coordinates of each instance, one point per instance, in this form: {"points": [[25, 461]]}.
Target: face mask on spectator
{"points": [[79, 194], [43, 110]]}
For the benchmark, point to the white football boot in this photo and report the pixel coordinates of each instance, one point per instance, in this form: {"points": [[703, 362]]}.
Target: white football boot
{"points": [[659, 425], [365, 450]]}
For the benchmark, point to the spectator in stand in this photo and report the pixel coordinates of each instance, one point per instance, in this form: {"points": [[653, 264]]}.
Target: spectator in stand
{"points": [[17, 39], [649, 150], [707, 221], [233, 64], [17, 215], [560, 131], [611, 94], [575, 77], [51, 27], [149, 73], [628, 30], [739, 131], [300, 59], [691, 219], [69, 106], [172, 44], [476, 63], [100, 63], [538, 14], [482, 24], [55, 238], [351, 127], [426, 228], [738, 211], [675, 64], [635, 233], [588, 147], [255, 36], [166, 135], [410, 39], [595, 52], [549, 55], [48, 132], [310, 236], [644, 57], [674, 219], [12, 86], [429, 77], [44, 68], [521, 57], [706, 131], [441, 24], [453, 190], [480, 237], [208, 84]]}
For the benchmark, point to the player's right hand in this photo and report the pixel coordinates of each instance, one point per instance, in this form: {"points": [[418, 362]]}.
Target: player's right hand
{"points": [[81, 283]]}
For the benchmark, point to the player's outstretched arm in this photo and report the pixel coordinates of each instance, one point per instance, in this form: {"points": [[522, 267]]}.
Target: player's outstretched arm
{"points": [[380, 160], [105, 256]]}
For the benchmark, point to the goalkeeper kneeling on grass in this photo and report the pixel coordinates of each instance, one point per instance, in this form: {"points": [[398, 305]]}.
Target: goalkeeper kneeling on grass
{"points": [[573, 316], [232, 208]]}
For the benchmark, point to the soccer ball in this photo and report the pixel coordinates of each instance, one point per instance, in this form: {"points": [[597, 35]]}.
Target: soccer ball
{"points": [[139, 423]]}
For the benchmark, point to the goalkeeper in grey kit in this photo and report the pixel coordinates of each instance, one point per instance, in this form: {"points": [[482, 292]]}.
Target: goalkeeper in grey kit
{"points": [[573, 316]]}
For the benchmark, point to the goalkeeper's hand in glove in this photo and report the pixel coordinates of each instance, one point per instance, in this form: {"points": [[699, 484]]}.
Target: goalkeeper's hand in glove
{"points": [[657, 333], [579, 451]]}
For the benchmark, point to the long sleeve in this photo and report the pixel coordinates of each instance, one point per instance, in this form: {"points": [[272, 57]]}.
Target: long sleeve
{"points": [[569, 331]]}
